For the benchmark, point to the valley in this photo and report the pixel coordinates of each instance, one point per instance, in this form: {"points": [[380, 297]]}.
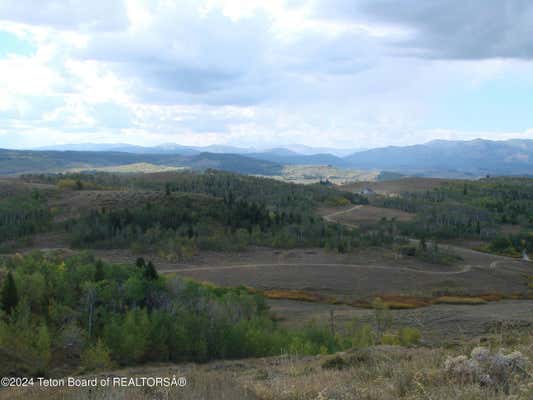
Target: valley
{"points": [[330, 259]]}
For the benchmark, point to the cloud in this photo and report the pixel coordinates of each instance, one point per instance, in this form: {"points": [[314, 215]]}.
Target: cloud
{"points": [[338, 73], [93, 15], [446, 29]]}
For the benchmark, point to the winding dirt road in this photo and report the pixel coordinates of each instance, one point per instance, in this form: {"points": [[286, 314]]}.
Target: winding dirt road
{"points": [[462, 270], [473, 259]]}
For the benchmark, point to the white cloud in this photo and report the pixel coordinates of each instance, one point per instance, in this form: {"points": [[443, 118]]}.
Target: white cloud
{"points": [[239, 72]]}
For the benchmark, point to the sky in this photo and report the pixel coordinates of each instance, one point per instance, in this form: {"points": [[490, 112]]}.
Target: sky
{"points": [[255, 73]]}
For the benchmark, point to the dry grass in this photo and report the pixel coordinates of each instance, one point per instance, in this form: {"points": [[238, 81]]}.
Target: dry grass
{"points": [[367, 215], [383, 373], [294, 295], [376, 373], [133, 168], [306, 174], [404, 302], [460, 300], [201, 385], [492, 296], [391, 302], [398, 186]]}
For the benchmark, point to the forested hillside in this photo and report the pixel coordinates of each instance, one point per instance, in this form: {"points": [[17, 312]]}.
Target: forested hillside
{"points": [[471, 209], [82, 314], [208, 211], [15, 162]]}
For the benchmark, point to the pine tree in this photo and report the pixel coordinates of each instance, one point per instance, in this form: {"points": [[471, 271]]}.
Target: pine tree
{"points": [[140, 263], [10, 298], [149, 272], [99, 274]]}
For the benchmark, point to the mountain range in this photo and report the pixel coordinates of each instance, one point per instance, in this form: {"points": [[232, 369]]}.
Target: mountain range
{"points": [[173, 148], [439, 158]]}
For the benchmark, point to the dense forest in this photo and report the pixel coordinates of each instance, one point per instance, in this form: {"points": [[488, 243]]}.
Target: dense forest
{"points": [[22, 215], [277, 195], [87, 314], [184, 223], [210, 211], [471, 209], [217, 210]]}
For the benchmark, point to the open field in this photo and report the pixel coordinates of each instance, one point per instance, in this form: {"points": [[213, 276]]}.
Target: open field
{"points": [[73, 203], [306, 174], [14, 187], [363, 215], [359, 275], [141, 167], [394, 187], [439, 323]]}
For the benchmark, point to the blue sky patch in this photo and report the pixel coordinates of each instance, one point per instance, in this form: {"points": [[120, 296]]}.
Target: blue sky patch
{"points": [[12, 44]]}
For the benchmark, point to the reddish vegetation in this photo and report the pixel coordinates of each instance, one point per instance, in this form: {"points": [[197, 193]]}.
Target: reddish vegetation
{"points": [[390, 301]]}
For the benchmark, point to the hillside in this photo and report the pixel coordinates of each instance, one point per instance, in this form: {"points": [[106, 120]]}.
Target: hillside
{"points": [[212, 275], [14, 162], [293, 158], [439, 158]]}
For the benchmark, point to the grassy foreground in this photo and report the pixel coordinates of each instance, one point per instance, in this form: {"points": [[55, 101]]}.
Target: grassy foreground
{"points": [[376, 373]]}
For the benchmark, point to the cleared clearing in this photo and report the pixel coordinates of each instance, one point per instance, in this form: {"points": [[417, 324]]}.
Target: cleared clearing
{"points": [[364, 215], [395, 187]]}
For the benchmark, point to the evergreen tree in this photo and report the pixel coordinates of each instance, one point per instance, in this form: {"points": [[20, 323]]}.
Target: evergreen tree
{"points": [[149, 272], [423, 245], [99, 273], [10, 296], [140, 263]]}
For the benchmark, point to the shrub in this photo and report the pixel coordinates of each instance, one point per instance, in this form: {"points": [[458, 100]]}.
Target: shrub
{"points": [[364, 336], [96, 357], [460, 300], [336, 362], [69, 184], [409, 336], [486, 368], [390, 339]]}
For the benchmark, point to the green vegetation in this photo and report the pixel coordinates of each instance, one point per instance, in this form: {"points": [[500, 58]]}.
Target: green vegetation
{"points": [[512, 245], [14, 162], [178, 226], [431, 252], [209, 211], [89, 314], [473, 209], [9, 296], [23, 215]]}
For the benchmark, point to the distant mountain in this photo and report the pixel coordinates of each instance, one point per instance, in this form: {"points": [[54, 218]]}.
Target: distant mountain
{"points": [[172, 148], [283, 156], [476, 157], [439, 158], [308, 150], [14, 162], [123, 148], [233, 163]]}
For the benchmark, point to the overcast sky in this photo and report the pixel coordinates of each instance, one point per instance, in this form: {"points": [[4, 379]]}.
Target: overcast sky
{"points": [[338, 73]]}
